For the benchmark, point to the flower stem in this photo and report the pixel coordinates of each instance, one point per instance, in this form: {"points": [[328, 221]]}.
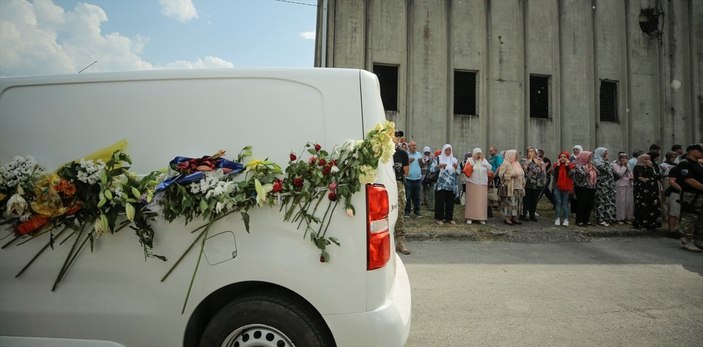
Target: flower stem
{"points": [[197, 265], [185, 252], [39, 253]]}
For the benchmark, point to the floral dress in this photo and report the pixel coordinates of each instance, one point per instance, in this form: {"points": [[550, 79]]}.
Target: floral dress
{"points": [[647, 203], [605, 194]]}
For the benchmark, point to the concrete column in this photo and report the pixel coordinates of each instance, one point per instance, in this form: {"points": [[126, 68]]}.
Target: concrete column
{"points": [[506, 78], [349, 34], [467, 46], [578, 123], [427, 90]]}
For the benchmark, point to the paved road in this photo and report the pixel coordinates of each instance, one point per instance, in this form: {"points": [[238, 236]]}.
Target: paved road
{"points": [[607, 292]]}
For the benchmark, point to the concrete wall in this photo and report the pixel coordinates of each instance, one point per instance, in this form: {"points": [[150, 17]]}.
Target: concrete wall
{"points": [[577, 43]]}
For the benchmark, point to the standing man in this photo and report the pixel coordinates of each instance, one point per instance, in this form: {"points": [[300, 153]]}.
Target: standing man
{"points": [[413, 183], [427, 187], [690, 178], [400, 165]]}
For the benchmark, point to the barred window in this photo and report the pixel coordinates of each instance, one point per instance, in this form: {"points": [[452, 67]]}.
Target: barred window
{"points": [[608, 101], [539, 96], [388, 79]]}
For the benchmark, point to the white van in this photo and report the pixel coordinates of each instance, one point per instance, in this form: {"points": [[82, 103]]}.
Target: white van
{"points": [[266, 287]]}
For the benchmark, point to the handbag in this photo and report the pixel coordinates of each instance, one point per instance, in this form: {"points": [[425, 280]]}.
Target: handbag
{"points": [[493, 194], [431, 177]]}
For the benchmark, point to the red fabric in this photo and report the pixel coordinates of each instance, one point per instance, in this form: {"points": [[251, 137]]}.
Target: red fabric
{"points": [[564, 182]]}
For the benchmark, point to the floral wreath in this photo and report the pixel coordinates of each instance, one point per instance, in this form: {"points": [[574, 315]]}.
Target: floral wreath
{"points": [[85, 199]]}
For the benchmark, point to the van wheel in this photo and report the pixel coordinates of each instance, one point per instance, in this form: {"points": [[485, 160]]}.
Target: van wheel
{"points": [[265, 320]]}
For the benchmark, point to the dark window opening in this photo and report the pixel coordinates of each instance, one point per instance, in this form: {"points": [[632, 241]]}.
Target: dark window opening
{"points": [[608, 101], [465, 93], [539, 96], [388, 79]]}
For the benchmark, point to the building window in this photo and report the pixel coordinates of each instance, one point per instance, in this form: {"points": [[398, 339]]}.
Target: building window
{"points": [[388, 79], [539, 96], [608, 101], [465, 92]]}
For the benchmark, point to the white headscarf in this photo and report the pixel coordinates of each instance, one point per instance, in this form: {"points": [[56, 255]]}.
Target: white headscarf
{"points": [[448, 159], [473, 161]]}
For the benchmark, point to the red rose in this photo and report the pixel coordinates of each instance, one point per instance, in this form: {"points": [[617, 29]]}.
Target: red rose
{"points": [[326, 170], [332, 196], [318, 147], [312, 160], [277, 186], [298, 182], [322, 162], [333, 186], [292, 156]]}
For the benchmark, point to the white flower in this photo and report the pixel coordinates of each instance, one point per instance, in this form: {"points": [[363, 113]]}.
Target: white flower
{"points": [[350, 212], [334, 169], [16, 205], [367, 174]]}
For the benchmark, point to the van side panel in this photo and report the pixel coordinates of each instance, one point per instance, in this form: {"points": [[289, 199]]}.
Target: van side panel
{"points": [[163, 115]]}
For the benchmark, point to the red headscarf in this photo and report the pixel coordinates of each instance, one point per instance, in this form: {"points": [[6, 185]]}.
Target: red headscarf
{"points": [[564, 182]]}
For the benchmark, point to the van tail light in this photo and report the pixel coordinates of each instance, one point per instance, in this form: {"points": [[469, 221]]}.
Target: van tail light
{"points": [[377, 226]]}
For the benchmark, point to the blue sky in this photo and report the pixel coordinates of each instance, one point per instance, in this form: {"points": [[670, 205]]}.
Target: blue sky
{"points": [[64, 36]]}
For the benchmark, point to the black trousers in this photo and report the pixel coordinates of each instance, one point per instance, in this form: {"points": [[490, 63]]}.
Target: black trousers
{"points": [[530, 201], [444, 205], [585, 197]]}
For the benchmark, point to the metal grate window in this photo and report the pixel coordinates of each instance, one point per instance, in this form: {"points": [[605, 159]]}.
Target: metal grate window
{"points": [[539, 96], [465, 93], [388, 79], [608, 101]]}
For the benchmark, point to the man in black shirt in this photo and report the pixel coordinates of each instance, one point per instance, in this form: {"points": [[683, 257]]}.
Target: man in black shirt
{"points": [[690, 178], [401, 167]]}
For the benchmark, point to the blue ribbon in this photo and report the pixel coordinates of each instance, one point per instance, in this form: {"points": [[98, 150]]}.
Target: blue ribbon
{"points": [[184, 179]]}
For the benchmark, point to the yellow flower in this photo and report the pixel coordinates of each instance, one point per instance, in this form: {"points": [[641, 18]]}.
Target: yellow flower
{"points": [[253, 164], [261, 191]]}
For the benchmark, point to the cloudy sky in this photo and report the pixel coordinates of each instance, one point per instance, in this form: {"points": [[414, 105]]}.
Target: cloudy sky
{"points": [[64, 36]]}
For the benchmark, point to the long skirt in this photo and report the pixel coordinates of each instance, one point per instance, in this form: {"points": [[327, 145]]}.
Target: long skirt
{"points": [[476, 202], [624, 203]]}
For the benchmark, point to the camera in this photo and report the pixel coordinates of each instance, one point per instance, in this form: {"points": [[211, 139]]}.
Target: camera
{"points": [[399, 133]]}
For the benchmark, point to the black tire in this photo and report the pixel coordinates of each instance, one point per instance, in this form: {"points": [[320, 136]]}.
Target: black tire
{"points": [[266, 319]]}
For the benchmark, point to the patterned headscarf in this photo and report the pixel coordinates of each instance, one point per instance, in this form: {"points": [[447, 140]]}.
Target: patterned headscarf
{"points": [[511, 159], [590, 170]]}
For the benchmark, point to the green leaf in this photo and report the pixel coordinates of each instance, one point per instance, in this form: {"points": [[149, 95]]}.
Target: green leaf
{"points": [[204, 206], [245, 219]]}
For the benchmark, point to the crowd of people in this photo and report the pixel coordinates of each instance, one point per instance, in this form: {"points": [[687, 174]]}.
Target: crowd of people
{"points": [[586, 185]]}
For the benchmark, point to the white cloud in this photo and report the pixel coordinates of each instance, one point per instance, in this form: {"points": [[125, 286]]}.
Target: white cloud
{"points": [[42, 38], [181, 10], [202, 63], [308, 35]]}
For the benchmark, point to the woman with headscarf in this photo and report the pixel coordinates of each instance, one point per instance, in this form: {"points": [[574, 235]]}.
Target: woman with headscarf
{"points": [[585, 178], [605, 188], [646, 192], [512, 188], [623, 189], [478, 171], [576, 150], [446, 187], [563, 188], [535, 179]]}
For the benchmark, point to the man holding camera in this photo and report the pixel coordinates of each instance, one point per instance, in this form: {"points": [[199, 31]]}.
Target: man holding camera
{"points": [[401, 166], [690, 178]]}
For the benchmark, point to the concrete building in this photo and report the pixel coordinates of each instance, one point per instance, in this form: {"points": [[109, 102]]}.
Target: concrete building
{"points": [[622, 74]]}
